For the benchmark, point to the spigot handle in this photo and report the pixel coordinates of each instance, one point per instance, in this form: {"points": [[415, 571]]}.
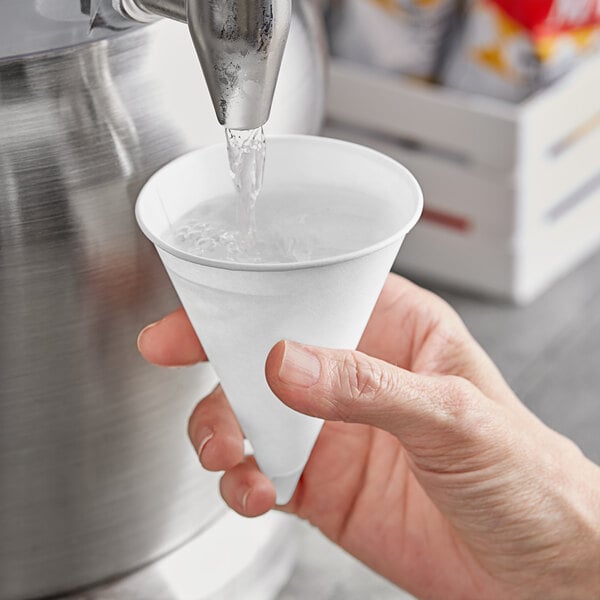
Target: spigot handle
{"points": [[150, 10]]}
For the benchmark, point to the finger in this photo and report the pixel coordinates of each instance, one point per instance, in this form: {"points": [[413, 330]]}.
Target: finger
{"points": [[412, 312], [413, 328], [215, 433], [434, 417], [247, 490], [171, 342]]}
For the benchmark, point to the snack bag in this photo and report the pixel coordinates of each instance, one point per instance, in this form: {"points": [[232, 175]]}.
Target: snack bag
{"points": [[510, 48], [404, 36]]}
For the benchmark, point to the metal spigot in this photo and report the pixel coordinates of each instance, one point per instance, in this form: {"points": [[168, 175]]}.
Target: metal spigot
{"points": [[240, 45]]}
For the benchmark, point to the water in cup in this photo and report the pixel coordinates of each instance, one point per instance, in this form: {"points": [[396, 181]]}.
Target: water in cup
{"points": [[291, 224], [276, 229]]}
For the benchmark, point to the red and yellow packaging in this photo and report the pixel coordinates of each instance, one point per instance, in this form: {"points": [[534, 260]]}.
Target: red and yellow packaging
{"points": [[511, 48]]}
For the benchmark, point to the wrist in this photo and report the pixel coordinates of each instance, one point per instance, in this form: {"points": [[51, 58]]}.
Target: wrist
{"points": [[574, 567]]}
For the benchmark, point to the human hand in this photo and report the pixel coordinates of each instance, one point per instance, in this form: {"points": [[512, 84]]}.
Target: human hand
{"points": [[428, 468]]}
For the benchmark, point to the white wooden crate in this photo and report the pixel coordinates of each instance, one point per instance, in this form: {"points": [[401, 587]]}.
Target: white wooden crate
{"points": [[512, 192]]}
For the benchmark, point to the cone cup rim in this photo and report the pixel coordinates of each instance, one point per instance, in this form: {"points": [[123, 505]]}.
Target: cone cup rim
{"points": [[307, 264]]}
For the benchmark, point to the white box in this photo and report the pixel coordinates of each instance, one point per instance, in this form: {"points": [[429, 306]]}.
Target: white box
{"points": [[512, 192]]}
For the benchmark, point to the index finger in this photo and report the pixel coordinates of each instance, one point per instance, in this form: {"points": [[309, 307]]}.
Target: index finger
{"points": [[171, 342]]}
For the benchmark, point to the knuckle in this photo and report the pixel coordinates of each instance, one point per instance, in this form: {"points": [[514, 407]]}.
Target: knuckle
{"points": [[457, 437], [568, 447], [456, 402], [358, 380]]}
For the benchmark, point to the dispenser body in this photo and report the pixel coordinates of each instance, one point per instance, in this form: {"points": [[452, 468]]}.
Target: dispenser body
{"points": [[97, 476]]}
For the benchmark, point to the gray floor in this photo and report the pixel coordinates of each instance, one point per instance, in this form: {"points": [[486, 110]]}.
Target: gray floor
{"points": [[550, 354]]}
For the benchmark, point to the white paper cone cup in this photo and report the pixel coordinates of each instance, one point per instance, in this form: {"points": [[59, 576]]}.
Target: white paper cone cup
{"points": [[240, 311]]}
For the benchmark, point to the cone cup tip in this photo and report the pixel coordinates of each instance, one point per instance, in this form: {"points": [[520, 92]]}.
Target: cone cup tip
{"points": [[285, 486]]}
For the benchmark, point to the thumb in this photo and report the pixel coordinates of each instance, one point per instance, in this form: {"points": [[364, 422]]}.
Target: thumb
{"points": [[436, 418]]}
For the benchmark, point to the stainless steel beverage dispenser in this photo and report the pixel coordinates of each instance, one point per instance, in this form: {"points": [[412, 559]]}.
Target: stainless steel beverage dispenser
{"points": [[96, 476]]}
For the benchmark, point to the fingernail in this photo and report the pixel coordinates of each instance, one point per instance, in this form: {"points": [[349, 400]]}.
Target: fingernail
{"points": [[244, 499], [205, 434], [143, 331], [299, 366]]}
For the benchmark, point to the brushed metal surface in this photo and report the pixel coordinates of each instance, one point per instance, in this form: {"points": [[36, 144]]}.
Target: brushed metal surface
{"points": [[240, 44], [141, 10], [96, 475], [28, 26]]}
